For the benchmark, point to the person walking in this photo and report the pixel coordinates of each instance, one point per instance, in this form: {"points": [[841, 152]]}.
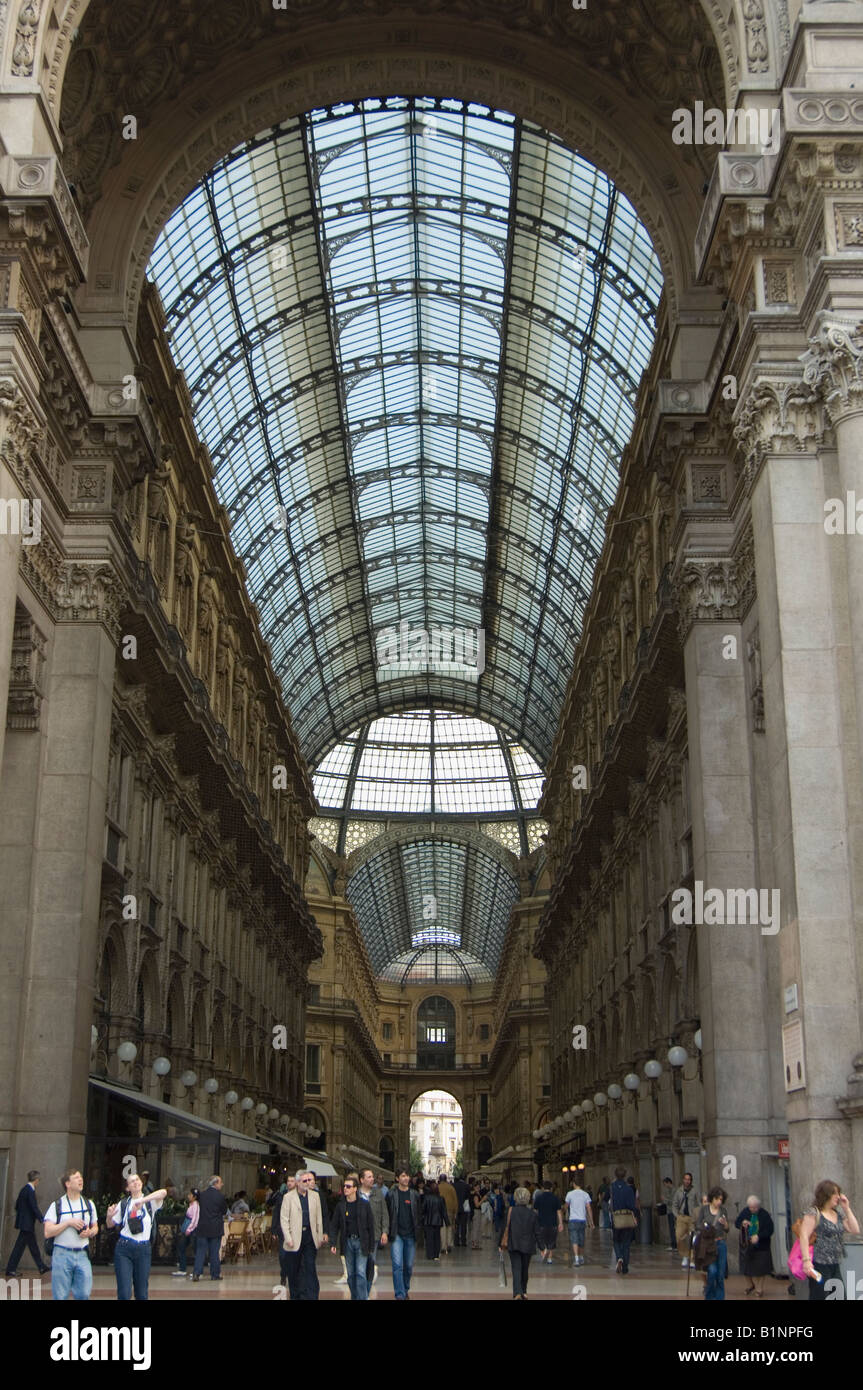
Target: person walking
{"points": [[212, 1210], [755, 1225], [372, 1194], [829, 1219], [580, 1213], [303, 1234], [435, 1220], [353, 1236], [71, 1222], [462, 1195], [275, 1202], [27, 1213], [548, 1207], [624, 1217], [498, 1211], [519, 1240], [711, 1243], [405, 1227], [135, 1215], [475, 1218], [447, 1191], [602, 1198], [663, 1208], [684, 1207], [187, 1230]]}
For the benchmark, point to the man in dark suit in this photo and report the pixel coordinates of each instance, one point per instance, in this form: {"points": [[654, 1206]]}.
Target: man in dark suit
{"points": [[210, 1229], [27, 1213]]}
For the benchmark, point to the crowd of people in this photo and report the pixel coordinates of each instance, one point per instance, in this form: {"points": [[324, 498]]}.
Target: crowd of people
{"points": [[430, 1215]]}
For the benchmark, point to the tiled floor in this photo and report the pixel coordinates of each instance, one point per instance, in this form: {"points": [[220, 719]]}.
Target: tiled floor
{"points": [[466, 1274]]}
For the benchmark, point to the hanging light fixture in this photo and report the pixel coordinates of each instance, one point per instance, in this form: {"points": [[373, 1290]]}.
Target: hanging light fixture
{"points": [[631, 1081], [697, 1040], [614, 1091], [189, 1078], [600, 1099], [247, 1103], [231, 1097], [652, 1069], [261, 1108], [677, 1056], [162, 1066], [127, 1052]]}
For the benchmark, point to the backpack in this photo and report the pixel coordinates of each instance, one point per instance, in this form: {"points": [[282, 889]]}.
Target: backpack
{"points": [[86, 1210]]}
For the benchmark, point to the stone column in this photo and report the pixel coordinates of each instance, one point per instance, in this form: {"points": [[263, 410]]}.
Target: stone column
{"points": [[57, 924], [713, 594], [833, 366], [809, 722]]}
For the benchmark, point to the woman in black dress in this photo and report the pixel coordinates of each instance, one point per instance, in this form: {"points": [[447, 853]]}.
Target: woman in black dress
{"points": [[755, 1225]]}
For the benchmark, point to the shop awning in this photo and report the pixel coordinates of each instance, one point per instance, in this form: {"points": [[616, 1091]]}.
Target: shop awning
{"points": [[230, 1138], [315, 1160]]}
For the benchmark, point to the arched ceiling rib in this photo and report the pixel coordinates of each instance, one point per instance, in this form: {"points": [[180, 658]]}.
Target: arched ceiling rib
{"points": [[418, 327]]}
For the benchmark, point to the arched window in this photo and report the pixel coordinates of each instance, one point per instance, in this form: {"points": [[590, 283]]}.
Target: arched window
{"points": [[483, 1150], [436, 1033]]}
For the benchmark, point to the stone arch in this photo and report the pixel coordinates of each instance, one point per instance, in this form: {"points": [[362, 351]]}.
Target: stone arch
{"points": [[176, 1021], [219, 1049], [615, 121], [147, 995], [113, 977], [62, 20], [669, 998]]}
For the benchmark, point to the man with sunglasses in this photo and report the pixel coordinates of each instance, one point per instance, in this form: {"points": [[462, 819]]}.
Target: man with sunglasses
{"points": [[303, 1234]]}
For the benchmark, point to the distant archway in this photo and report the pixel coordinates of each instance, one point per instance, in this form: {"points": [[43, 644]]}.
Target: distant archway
{"points": [[436, 1134]]}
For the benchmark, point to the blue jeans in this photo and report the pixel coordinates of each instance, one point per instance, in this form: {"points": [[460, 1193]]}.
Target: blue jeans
{"points": [[70, 1270], [716, 1273], [208, 1245], [182, 1247], [621, 1240], [132, 1263], [356, 1265], [403, 1251]]}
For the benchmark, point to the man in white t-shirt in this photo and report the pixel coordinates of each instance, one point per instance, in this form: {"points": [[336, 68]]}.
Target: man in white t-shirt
{"points": [[70, 1222], [580, 1216]]}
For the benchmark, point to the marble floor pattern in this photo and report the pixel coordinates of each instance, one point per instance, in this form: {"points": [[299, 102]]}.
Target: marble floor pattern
{"points": [[466, 1274]]}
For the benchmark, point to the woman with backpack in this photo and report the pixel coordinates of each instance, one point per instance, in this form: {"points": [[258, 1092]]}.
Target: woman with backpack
{"points": [[135, 1215]]}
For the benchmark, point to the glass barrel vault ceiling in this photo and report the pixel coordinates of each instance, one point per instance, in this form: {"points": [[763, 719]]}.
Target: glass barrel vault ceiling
{"points": [[418, 327]]}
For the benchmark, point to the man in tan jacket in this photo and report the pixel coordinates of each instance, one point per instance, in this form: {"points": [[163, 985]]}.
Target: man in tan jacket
{"points": [[302, 1236], [448, 1192]]}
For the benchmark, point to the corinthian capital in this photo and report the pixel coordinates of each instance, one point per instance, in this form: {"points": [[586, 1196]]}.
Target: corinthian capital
{"points": [[833, 365], [779, 414]]}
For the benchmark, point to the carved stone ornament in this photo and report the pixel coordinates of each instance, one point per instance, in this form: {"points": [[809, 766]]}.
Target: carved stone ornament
{"points": [[21, 431], [833, 365], [24, 52], [25, 682], [90, 592]]}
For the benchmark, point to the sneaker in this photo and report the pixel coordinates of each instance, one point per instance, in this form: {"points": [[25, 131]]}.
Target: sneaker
{"points": [[375, 1277], [619, 1269], [580, 1260], [178, 1274], [342, 1280], [684, 1264]]}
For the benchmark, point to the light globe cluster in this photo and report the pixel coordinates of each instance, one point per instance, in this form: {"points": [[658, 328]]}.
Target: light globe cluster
{"points": [[677, 1056]]}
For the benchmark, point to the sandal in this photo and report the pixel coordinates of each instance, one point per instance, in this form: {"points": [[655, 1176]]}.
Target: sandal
{"points": [[750, 1289]]}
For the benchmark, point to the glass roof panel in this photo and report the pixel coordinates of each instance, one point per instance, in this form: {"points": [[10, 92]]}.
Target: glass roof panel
{"points": [[419, 327]]}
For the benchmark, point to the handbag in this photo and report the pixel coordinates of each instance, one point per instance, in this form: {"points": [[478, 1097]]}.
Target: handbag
{"points": [[795, 1254], [624, 1220]]}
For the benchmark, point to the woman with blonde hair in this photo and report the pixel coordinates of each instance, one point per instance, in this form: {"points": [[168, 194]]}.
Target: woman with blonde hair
{"points": [[828, 1220], [519, 1239]]}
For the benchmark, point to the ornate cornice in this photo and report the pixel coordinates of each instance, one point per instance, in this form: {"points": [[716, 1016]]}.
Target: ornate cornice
{"points": [[833, 365]]}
